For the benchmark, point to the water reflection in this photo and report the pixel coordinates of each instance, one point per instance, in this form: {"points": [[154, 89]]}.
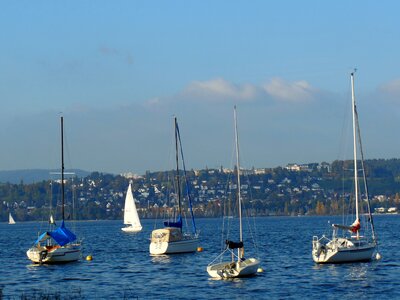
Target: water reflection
{"points": [[161, 259], [357, 272]]}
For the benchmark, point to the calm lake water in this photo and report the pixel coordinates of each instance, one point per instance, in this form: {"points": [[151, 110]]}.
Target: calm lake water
{"points": [[123, 269]]}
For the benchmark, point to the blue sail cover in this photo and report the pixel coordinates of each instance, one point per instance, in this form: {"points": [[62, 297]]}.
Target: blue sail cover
{"points": [[61, 235], [177, 224]]}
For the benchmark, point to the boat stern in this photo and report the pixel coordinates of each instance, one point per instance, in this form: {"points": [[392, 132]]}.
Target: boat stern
{"points": [[37, 254], [158, 248], [320, 251]]}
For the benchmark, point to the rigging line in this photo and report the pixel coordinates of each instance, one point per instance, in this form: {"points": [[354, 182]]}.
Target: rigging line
{"points": [[171, 184], [229, 184], [222, 233], [186, 179], [343, 196], [62, 169], [177, 166], [70, 189], [249, 228], [238, 176], [66, 191], [365, 180], [253, 233], [168, 189], [344, 138], [66, 150], [228, 200]]}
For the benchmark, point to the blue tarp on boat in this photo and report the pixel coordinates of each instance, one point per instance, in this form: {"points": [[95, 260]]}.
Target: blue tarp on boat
{"points": [[177, 224], [61, 235]]}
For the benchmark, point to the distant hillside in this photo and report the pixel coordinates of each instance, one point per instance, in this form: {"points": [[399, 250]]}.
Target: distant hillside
{"points": [[297, 189], [34, 175]]}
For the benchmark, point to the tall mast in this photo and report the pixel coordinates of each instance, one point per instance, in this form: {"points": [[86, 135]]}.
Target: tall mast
{"points": [[238, 177], [62, 167], [177, 167], [353, 100]]}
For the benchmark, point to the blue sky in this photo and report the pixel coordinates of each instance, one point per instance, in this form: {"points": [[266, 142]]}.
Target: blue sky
{"points": [[120, 70]]}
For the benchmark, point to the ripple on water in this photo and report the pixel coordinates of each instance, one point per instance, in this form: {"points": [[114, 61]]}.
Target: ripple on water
{"points": [[123, 268]]}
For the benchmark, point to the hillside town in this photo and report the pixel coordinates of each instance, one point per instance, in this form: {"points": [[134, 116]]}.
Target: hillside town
{"points": [[296, 189]]}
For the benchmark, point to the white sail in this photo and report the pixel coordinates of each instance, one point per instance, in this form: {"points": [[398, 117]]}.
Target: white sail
{"points": [[10, 219], [131, 216], [51, 220]]}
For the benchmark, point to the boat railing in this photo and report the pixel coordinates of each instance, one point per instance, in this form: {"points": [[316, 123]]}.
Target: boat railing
{"points": [[221, 255], [190, 236], [317, 240]]}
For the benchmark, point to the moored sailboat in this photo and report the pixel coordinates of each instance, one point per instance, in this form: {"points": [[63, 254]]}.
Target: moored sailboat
{"points": [[172, 238], [358, 241], [60, 244], [131, 217], [238, 266]]}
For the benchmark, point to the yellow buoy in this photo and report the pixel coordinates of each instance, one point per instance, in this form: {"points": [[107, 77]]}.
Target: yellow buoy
{"points": [[199, 249], [89, 257], [260, 270]]}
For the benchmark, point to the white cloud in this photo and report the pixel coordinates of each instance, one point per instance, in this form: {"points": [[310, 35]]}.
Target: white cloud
{"points": [[392, 87], [153, 101], [275, 134], [289, 91], [220, 89], [276, 89]]}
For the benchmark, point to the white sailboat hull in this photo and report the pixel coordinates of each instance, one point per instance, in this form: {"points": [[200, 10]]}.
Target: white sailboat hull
{"points": [[182, 246], [132, 228], [225, 270], [62, 254], [338, 254]]}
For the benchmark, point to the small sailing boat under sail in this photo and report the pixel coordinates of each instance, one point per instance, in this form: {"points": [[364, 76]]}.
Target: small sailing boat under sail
{"points": [[58, 245], [131, 217], [357, 241], [172, 238], [11, 220], [238, 266]]}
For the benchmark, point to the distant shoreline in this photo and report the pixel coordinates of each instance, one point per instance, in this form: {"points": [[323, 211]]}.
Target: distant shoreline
{"points": [[211, 218]]}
